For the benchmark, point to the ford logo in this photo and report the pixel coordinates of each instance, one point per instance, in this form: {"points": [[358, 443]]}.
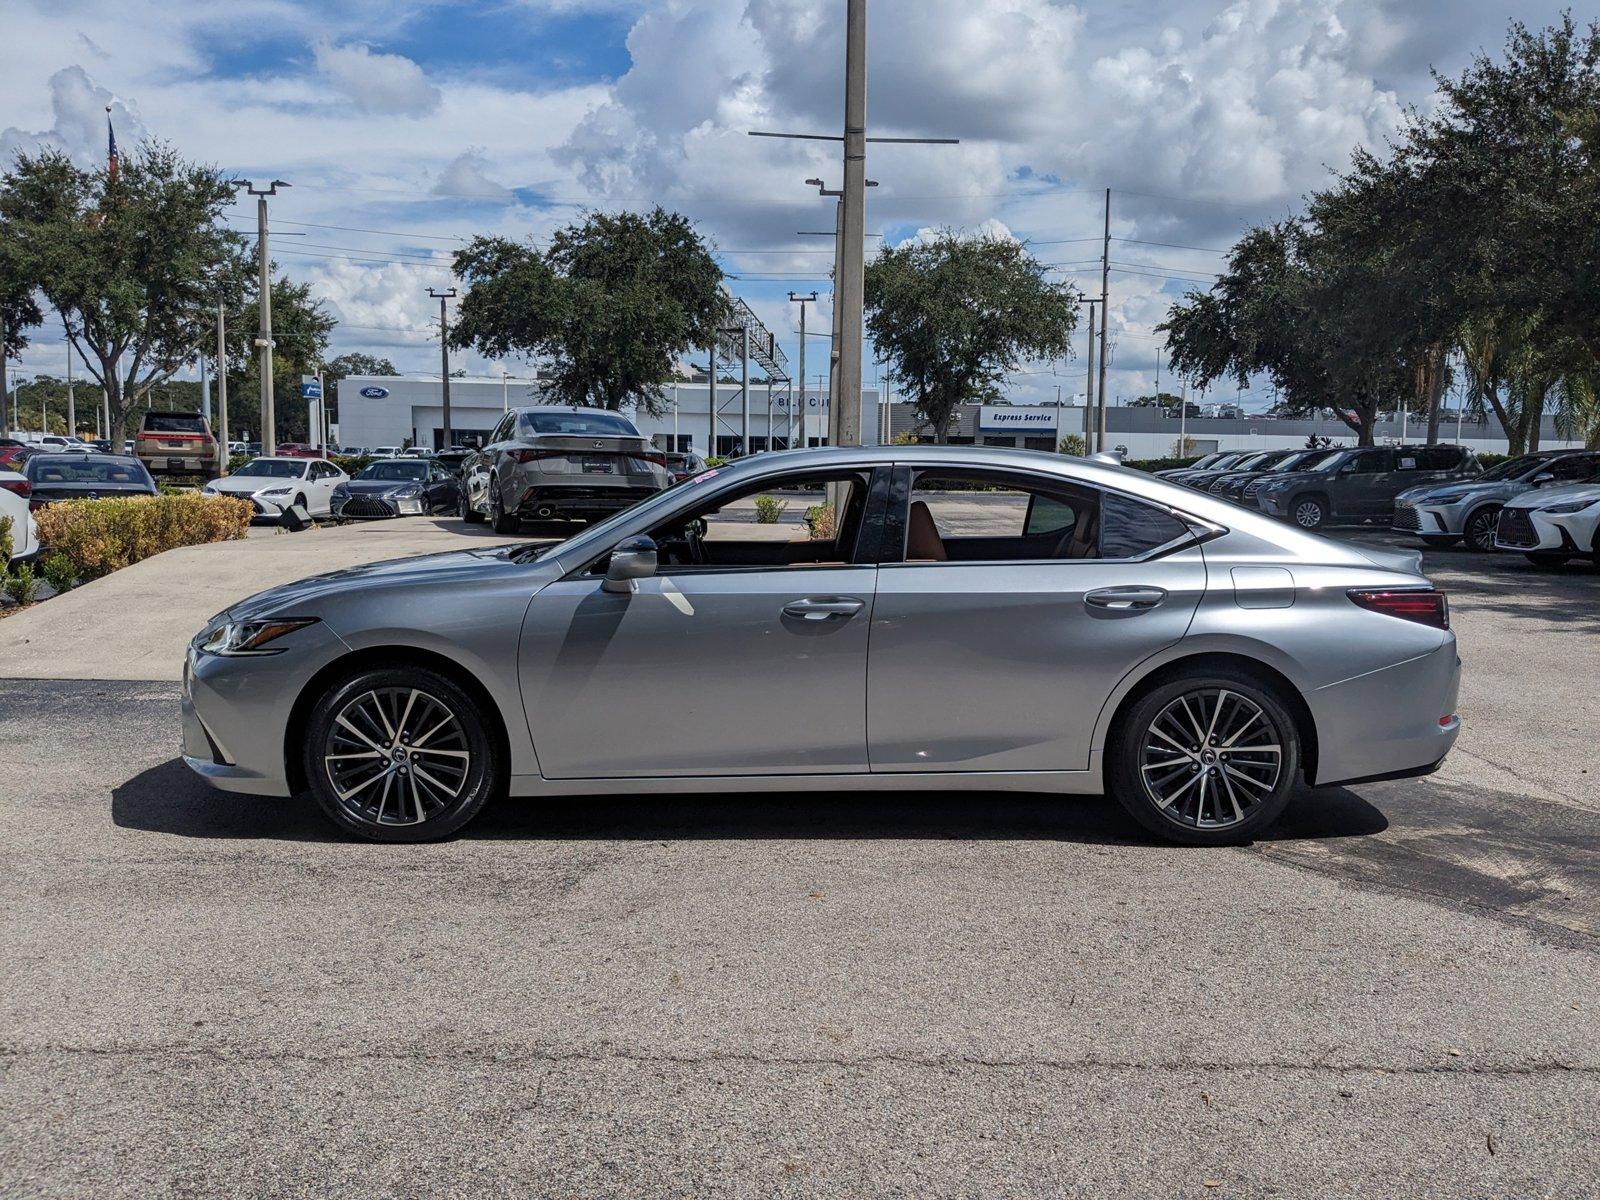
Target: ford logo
{"points": [[374, 393]]}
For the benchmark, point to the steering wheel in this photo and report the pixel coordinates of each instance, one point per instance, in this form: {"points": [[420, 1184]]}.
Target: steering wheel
{"points": [[692, 533]]}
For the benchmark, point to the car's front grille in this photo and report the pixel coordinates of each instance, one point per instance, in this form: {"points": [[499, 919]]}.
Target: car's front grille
{"points": [[1406, 516], [1516, 528], [366, 506], [1253, 487]]}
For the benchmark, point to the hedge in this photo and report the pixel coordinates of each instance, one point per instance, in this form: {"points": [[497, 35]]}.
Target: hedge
{"points": [[101, 536]]}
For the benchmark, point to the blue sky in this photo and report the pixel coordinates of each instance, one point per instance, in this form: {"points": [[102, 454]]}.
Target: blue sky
{"points": [[406, 128]]}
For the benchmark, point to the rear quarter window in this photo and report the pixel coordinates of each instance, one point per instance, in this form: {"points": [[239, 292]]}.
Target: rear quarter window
{"points": [[1129, 528]]}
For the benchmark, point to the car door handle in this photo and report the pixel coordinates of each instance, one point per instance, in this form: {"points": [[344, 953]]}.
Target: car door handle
{"points": [[823, 608], [1125, 599]]}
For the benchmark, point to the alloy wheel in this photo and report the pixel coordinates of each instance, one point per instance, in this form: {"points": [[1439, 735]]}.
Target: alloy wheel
{"points": [[1480, 530], [1210, 757], [397, 756], [1308, 514]]}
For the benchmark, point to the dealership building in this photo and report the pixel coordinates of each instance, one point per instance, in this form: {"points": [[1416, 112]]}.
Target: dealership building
{"points": [[390, 410]]}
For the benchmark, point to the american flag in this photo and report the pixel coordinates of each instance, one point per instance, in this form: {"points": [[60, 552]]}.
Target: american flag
{"points": [[111, 147]]}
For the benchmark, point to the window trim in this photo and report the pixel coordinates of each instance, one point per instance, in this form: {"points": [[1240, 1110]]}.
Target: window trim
{"points": [[1196, 529]]}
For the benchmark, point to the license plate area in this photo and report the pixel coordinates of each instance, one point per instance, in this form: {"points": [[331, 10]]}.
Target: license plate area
{"points": [[597, 466], [174, 464]]}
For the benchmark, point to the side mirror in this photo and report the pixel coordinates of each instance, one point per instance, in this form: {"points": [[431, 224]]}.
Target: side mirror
{"points": [[1543, 478], [633, 558]]}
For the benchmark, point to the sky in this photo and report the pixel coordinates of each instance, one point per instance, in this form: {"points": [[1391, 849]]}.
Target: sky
{"points": [[406, 128]]}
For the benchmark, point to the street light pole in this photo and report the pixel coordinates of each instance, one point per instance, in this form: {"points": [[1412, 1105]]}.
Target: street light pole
{"points": [[444, 354], [269, 419], [802, 301], [846, 403], [222, 389], [1105, 320]]}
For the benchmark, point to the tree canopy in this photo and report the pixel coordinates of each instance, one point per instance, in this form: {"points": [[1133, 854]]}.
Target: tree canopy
{"points": [[613, 304], [131, 262], [952, 315]]}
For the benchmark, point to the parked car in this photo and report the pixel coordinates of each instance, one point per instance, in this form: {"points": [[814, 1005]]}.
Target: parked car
{"points": [[299, 450], [1210, 462], [1552, 525], [453, 457], [15, 494], [387, 452], [1361, 484], [85, 475], [14, 451], [276, 483], [1092, 618], [397, 487], [354, 451], [1211, 481], [1443, 514], [101, 444], [241, 448], [1232, 485], [558, 463], [684, 465], [176, 443]]}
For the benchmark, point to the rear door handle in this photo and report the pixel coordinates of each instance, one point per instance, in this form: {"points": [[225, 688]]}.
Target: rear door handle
{"points": [[823, 608], [1125, 599]]}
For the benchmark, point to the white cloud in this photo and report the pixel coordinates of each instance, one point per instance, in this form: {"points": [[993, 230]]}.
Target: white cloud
{"points": [[467, 175], [78, 126], [377, 83]]}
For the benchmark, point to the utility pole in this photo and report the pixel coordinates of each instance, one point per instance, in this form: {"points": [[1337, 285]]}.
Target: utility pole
{"points": [[711, 396], [444, 354], [802, 301], [269, 419], [1088, 386], [744, 386], [72, 404], [846, 416], [1105, 319], [222, 388]]}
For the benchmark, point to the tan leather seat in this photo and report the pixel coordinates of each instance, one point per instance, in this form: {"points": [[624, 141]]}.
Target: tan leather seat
{"points": [[1083, 539], [923, 543]]}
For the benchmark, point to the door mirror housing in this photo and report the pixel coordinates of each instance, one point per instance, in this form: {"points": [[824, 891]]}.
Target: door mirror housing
{"points": [[1543, 478], [632, 558]]}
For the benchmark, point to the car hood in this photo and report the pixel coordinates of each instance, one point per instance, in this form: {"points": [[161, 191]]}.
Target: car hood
{"points": [[249, 485], [1539, 497], [307, 597], [1430, 491], [1274, 478]]}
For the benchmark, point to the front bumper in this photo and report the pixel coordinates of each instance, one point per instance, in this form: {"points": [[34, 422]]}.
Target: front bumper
{"points": [[1430, 520], [1532, 530], [1398, 721], [360, 507]]}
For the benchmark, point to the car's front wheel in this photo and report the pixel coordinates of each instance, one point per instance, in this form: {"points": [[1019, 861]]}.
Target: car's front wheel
{"points": [[1310, 512], [401, 755], [1480, 526], [465, 510], [1207, 758]]}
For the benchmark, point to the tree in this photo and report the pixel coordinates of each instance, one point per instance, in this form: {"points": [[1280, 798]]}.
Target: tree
{"points": [[301, 327], [129, 262], [954, 314], [614, 303], [18, 312], [356, 364]]}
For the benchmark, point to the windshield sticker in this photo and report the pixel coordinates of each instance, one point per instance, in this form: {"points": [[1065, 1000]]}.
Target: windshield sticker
{"points": [[705, 475]]}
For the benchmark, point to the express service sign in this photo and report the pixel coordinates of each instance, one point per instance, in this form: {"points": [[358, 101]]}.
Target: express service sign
{"points": [[1015, 418]]}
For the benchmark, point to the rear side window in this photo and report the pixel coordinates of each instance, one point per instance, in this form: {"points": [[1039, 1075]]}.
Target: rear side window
{"points": [[1129, 528], [156, 422], [598, 423]]}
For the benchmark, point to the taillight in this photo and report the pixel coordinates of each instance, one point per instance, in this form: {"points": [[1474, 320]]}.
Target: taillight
{"points": [[526, 456], [1422, 605], [20, 486]]}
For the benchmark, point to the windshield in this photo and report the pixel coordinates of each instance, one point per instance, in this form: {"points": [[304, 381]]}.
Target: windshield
{"points": [[396, 472], [1251, 461], [1514, 468], [173, 423], [1329, 463], [598, 423], [267, 468], [100, 468]]}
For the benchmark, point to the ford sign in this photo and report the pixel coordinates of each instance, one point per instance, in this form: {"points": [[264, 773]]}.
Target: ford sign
{"points": [[374, 393]]}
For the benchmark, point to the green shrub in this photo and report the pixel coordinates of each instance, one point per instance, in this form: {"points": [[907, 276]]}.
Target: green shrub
{"points": [[819, 519], [769, 509], [716, 460], [59, 572], [1072, 443], [20, 584], [6, 545], [101, 536], [351, 465]]}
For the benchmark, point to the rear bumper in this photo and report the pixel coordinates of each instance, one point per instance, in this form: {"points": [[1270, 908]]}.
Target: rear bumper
{"points": [[543, 500], [1397, 722]]}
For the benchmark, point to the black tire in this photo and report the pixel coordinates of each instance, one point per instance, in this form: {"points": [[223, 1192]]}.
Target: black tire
{"points": [[431, 810], [1478, 529], [465, 510], [1547, 558], [503, 521], [1238, 695], [1309, 512], [301, 501]]}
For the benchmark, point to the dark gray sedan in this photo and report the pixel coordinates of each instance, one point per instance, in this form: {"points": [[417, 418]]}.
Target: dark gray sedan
{"points": [[397, 487]]}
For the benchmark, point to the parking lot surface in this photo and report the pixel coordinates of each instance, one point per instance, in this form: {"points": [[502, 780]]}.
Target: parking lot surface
{"points": [[1395, 994]]}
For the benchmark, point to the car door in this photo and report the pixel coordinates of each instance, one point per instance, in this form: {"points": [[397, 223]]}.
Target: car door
{"points": [[323, 477], [1362, 487], [746, 662], [999, 631]]}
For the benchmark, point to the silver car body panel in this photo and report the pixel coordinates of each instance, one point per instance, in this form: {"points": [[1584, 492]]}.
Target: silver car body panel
{"points": [[698, 682]]}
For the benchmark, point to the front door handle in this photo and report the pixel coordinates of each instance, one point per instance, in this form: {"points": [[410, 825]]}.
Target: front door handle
{"points": [[823, 608], [1125, 599]]}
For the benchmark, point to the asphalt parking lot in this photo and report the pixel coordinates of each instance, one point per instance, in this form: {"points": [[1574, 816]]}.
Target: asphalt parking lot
{"points": [[1398, 994]]}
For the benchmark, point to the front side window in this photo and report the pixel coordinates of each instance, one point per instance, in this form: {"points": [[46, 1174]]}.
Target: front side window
{"points": [[1573, 468], [1367, 462], [979, 517]]}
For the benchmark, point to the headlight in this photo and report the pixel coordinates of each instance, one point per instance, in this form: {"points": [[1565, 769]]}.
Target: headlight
{"points": [[242, 639], [1571, 506], [276, 491], [208, 490], [1450, 498]]}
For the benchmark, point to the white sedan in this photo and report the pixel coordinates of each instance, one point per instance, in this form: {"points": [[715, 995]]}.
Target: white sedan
{"points": [[1553, 524], [274, 484], [14, 493]]}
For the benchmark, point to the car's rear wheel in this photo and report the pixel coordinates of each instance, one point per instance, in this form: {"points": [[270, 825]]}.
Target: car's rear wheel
{"points": [[1310, 512], [401, 755], [1207, 758], [1480, 526], [465, 510], [504, 522]]}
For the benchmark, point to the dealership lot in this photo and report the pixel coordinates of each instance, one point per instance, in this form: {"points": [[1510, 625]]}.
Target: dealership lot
{"points": [[792, 995]]}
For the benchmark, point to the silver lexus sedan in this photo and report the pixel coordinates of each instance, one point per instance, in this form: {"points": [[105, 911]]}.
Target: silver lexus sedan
{"points": [[919, 617]]}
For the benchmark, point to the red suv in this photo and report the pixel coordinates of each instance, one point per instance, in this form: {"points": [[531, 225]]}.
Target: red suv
{"points": [[299, 450], [176, 443]]}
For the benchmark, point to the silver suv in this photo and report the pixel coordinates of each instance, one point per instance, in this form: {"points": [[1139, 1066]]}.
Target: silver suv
{"points": [[1441, 514], [560, 463]]}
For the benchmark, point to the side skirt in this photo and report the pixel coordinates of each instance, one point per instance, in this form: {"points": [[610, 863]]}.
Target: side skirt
{"points": [[1059, 782]]}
